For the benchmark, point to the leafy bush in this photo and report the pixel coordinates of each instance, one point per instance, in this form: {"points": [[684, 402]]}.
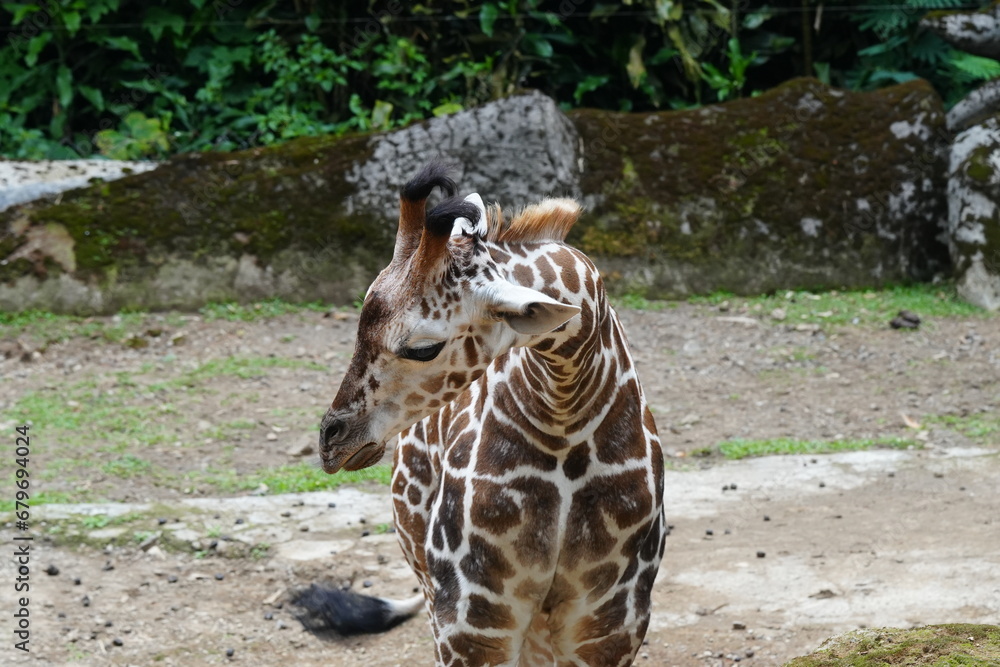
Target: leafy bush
{"points": [[122, 78]]}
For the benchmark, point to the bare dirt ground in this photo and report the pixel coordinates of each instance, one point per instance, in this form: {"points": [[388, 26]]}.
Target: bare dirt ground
{"points": [[801, 547]]}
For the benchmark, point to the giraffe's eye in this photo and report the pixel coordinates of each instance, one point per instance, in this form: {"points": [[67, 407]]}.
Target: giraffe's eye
{"points": [[425, 353]]}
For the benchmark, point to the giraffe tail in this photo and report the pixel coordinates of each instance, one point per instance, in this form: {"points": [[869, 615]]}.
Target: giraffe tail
{"points": [[323, 609]]}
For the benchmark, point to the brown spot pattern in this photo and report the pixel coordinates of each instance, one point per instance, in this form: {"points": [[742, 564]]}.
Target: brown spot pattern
{"points": [[486, 565], [483, 613]]}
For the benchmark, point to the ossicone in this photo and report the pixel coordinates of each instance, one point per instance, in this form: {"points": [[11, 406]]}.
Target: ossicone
{"points": [[433, 175], [441, 219]]}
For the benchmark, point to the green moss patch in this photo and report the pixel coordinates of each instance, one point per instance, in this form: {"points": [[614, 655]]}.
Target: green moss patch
{"points": [[934, 645], [788, 189]]}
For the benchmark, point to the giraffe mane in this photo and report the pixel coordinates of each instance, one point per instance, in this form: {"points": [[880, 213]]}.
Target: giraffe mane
{"points": [[548, 220]]}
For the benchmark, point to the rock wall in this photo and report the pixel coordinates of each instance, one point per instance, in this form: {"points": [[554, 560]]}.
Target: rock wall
{"points": [[804, 186], [974, 213], [312, 219]]}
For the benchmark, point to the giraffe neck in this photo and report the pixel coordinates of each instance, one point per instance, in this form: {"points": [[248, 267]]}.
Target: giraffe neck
{"points": [[565, 376]]}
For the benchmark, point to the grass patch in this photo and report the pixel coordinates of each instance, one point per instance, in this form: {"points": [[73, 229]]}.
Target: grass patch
{"points": [[740, 448], [126, 466], [934, 645], [983, 429], [252, 312], [104, 424], [41, 498], [48, 328], [245, 368], [870, 307], [635, 301], [296, 478]]}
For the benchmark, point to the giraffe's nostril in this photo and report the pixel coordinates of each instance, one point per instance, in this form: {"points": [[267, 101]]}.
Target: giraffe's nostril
{"points": [[334, 432]]}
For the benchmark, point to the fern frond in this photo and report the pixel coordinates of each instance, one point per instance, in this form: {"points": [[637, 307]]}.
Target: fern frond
{"points": [[967, 67]]}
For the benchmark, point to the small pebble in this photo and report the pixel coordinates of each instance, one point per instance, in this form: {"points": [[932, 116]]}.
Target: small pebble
{"points": [[230, 652], [52, 570], [286, 514], [77, 581], [727, 531], [892, 474], [268, 616], [822, 484], [739, 626], [108, 566], [939, 475], [362, 520], [725, 488], [86, 600], [172, 579], [117, 642], [732, 487], [220, 576], [239, 521], [709, 532], [161, 521], [767, 518], [365, 533], [108, 624], [761, 554], [331, 504], [367, 584]]}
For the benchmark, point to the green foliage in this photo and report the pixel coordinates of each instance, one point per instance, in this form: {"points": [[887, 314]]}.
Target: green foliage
{"points": [[138, 137], [143, 80], [902, 50], [731, 82]]}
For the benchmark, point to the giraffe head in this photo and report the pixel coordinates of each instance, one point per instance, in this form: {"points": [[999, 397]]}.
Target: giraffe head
{"points": [[431, 323]]}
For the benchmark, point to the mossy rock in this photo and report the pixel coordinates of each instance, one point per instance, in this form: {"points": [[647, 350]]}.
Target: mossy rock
{"points": [[805, 186], [311, 219], [933, 645], [974, 213]]}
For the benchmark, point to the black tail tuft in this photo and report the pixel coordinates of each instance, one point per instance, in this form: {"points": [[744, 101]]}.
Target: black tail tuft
{"points": [[322, 610], [441, 219], [433, 175]]}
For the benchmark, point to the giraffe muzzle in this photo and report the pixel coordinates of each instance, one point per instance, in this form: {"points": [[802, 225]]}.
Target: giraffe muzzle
{"points": [[341, 448]]}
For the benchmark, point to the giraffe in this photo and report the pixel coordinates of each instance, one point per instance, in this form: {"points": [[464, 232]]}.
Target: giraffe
{"points": [[527, 482]]}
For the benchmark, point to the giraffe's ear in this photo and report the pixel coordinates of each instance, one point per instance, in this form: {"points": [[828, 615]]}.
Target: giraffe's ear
{"points": [[527, 311]]}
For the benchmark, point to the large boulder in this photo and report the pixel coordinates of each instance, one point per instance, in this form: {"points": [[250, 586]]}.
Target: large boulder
{"points": [[974, 213], [312, 219], [804, 186]]}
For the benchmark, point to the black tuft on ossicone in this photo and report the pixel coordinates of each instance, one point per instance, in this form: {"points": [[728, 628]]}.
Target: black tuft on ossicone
{"points": [[441, 219], [433, 175]]}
